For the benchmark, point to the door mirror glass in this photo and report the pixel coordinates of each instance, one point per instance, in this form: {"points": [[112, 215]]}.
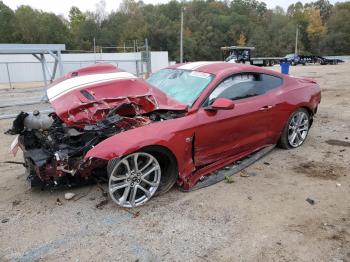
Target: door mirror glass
{"points": [[221, 104]]}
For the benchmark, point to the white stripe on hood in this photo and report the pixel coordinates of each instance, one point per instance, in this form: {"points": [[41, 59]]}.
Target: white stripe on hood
{"points": [[76, 82]]}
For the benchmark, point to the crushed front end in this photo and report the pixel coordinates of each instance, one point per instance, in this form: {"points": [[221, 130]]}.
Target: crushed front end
{"points": [[54, 152]]}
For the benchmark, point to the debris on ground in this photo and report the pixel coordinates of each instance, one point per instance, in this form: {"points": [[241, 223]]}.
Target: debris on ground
{"points": [[58, 202], [243, 173], [102, 204], [134, 214], [5, 220], [84, 194], [310, 201], [338, 184], [336, 142], [267, 163], [16, 202], [69, 196], [229, 180]]}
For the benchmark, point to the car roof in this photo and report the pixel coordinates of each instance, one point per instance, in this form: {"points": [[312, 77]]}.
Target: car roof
{"points": [[221, 68]]}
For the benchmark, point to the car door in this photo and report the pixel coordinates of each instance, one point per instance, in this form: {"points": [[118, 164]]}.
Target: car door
{"points": [[224, 133]]}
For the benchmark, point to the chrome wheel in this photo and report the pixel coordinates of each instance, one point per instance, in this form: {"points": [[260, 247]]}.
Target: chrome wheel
{"points": [[134, 179], [298, 129]]}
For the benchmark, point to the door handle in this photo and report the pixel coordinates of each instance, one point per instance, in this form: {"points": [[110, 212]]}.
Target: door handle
{"points": [[266, 107]]}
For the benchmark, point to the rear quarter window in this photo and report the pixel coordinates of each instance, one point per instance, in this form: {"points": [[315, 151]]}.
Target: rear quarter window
{"points": [[270, 82]]}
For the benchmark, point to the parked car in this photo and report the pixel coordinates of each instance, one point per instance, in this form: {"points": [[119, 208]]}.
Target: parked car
{"points": [[179, 126], [294, 59]]}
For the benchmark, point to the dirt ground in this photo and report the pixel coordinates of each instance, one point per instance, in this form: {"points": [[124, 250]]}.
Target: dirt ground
{"points": [[257, 218]]}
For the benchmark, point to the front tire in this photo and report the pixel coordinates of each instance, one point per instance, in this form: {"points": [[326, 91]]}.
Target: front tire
{"points": [[137, 177], [296, 129]]}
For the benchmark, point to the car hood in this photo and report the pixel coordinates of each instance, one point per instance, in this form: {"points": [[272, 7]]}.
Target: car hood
{"points": [[88, 95]]}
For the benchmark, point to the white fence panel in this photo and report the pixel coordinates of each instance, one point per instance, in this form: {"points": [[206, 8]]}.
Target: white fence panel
{"points": [[26, 68]]}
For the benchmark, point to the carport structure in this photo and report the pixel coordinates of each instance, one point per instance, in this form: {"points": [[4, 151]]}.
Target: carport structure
{"points": [[38, 51]]}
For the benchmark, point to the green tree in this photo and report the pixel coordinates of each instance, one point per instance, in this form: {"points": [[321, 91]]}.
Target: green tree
{"points": [[7, 24]]}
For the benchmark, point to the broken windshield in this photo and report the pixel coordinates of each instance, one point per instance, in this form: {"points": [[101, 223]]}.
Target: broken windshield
{"points": [[182, 85]]}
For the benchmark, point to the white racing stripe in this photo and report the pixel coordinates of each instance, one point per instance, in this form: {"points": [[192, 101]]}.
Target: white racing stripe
{"points": [[73, 83], [196, 65]]}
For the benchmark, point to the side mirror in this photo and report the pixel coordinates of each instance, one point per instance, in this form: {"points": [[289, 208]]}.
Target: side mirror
{"points": [[221, 104]]}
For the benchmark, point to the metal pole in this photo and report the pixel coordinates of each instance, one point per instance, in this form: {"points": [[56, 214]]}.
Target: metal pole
{"points": [[42, 60], [148, 62], [137, 68], [181, 35], [296, 40], [8, 75], [95, 49], [60, 64]]}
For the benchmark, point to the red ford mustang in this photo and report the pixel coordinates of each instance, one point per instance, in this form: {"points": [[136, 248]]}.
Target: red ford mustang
{"points": [[182, 125]]}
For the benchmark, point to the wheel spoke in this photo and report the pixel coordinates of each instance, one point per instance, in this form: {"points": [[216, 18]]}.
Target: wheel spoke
{"points": [[133, 195], [118, 178], [305, 122], [125, 195], [293, 122], [300, 137], [148, 194], [146, 165], [135, 162], [151, 183], [149, 171], [115, 187], [302, 117], [126, 163], [292, 137]]}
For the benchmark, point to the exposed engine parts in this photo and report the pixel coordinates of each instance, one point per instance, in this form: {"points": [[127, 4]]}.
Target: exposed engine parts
{"points": [[54, 152]]}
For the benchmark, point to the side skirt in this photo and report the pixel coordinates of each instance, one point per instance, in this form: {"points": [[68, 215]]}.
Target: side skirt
{"points": [[237, 166]]}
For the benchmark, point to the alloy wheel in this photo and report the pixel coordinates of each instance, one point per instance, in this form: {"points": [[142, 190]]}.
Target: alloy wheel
{"points": [[298, 129], [134, 179]]}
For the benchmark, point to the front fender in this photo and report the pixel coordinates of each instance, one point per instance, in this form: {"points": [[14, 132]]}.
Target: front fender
{"points": [[156, 134]]}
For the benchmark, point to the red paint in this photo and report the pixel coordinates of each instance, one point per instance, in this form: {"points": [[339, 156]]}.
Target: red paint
{"points": [[75, 109], [220, 136]]}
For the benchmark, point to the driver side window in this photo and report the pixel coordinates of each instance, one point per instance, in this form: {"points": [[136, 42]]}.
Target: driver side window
{"points": [[244, 85], [234, 87]]}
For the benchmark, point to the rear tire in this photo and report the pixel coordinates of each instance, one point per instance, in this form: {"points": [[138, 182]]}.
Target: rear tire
{"points": [[296, 129]]}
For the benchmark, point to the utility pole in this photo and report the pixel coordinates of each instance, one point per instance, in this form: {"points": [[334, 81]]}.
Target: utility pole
{"points": [[95, 49], [181, 34], [296, 40]]}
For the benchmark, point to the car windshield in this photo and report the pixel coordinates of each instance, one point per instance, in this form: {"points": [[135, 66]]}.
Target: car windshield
{"points": [[182, 85]]}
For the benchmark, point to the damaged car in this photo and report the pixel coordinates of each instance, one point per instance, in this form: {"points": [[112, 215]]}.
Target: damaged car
{"points": [[180, 126]]}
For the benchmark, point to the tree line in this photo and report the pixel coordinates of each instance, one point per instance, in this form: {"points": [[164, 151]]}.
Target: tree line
{"points": [[324, 29]]}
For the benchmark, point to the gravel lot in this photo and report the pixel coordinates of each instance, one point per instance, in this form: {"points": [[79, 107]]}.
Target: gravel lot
{"points": [[258, 218]]}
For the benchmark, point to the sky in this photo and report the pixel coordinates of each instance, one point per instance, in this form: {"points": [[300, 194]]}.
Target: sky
{"points": [[61, 7]]}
